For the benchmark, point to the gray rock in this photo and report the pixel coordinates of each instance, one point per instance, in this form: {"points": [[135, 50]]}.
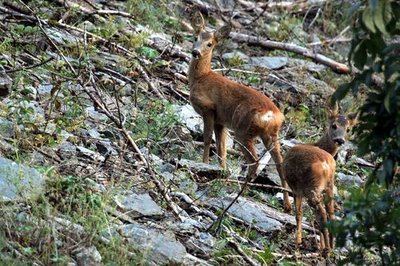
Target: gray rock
{"points": [[252, 212], [189, 226], [187, 115], [201, 168], [243, 57], [88, 256], [138, 205], [105, 147], [18, 180], [156, 247], [62, 37], [269, 62], [272, 174], [67, 150], [93, 133], [167, 167], [202, 244], [89, 153], [88, 26], [191, 260], [181, 133], [349, 180], [6, 148], [6, 128], [5, 82], [96, 116]]}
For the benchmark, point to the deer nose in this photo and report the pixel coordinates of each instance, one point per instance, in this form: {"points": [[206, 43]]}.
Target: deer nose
{"points": [[339, 141], [196, 53]]}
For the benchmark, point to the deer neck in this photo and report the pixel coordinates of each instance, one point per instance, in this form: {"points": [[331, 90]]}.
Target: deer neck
{"points": [[198, 68], [326, 144]]}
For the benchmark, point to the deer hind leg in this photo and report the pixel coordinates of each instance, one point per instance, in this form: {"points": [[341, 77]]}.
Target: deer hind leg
{"points": [[250, 155], [330, 209], [208, 119], [299, 220], [315, 202], [272, 144], [220, 135]]}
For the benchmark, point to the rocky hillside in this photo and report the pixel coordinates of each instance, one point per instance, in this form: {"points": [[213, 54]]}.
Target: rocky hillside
{"points": [[101, 150]]}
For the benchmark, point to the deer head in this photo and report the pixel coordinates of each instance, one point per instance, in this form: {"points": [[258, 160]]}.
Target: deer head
{"points": [[339, 125], [206, 41]]}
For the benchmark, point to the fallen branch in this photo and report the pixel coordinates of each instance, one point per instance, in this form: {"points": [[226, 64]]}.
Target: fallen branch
{"points": [[239, 250], [253, 40], [255, 185], [93, 10]]}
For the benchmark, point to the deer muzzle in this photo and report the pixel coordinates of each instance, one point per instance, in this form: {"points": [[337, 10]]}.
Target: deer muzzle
{"points": [[339, 141], [196, 53]]}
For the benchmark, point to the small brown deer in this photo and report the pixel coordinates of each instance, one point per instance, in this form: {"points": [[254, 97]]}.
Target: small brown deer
{"points": [[310, 170], [224, 103]]}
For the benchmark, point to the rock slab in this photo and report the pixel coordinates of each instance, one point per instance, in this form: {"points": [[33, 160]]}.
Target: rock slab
{"points": [[138, 205], [155, 246], [18, 180]]}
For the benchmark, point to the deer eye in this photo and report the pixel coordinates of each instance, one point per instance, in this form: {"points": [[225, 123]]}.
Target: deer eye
{"points": [[334, 126], [209, 44]]}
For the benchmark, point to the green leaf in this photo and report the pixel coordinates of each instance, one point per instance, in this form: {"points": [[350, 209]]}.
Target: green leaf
{"points": [[367, 18], [379, 17], [386, 101], [360, 55], [341, 91]]}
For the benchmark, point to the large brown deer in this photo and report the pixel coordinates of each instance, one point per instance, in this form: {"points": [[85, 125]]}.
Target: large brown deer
{"points": [[224, 103], [310, 170]]}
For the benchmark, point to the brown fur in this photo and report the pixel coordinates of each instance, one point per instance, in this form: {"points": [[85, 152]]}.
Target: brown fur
{"points": [[310, 170], [224, 103]]}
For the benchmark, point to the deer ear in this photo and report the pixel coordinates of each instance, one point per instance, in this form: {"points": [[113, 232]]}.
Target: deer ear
{"points": [[352, 118], [223, 32], [197, 22]]}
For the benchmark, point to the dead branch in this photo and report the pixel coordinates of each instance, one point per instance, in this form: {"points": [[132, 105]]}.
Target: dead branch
{"points": [[253, 40], [93, 10], [30, 67], [255, 185], [239, 250]]}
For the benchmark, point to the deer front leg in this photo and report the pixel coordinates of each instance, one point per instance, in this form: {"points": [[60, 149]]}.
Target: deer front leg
{"points": [[220, 136], [208, 119]]}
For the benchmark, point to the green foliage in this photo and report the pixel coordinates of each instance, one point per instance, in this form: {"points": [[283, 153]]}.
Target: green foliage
{"points": [[235, 61], [148, 52], [149, 12], [266, 257], [254, 80], [374, 54], [154, 121], [371, 222]]}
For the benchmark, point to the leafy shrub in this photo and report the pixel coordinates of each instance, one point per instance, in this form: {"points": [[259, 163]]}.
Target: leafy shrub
{"points": [[371, 224]]}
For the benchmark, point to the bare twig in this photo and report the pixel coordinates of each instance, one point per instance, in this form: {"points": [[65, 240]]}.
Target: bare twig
{"points": [[256, 185], [241, 252], [319, 58], [30, 67], [93, 10]]}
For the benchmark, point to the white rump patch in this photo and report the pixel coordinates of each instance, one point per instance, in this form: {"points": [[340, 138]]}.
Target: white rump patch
{"points": [[267, 116], [325, 165]]}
